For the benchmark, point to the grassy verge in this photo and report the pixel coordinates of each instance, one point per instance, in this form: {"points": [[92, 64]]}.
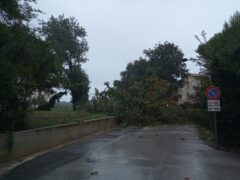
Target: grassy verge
{"points": [[205, 134], [39, 119]]}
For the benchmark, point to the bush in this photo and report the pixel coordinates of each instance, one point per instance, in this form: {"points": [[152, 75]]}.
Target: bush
{"points": [[148, 103], [174, 114], [199, 117], [228, 127]]}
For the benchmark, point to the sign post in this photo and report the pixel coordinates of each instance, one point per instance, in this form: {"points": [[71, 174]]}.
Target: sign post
{"points": [[213, 94], [215, 128]]}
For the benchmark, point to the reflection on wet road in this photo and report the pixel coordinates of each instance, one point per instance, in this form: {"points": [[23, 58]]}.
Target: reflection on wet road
{"points": [[159, 153]]}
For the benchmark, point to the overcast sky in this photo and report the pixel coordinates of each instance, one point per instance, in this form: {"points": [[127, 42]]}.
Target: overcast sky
{"points": [[119, 30]]}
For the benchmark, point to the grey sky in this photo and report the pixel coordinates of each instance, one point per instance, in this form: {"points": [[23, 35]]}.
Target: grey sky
{"points": [[119, 30]]}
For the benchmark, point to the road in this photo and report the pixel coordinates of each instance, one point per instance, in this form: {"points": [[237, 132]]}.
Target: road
{"points": [[158, 153]]}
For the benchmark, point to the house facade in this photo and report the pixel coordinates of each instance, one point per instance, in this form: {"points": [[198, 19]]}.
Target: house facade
{"points": [[190, 92]]}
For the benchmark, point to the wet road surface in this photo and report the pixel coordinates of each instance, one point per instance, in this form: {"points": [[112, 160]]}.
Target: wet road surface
{"points": [[158, 153]]}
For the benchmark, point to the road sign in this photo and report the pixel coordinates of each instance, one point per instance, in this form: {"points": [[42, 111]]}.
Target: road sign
{"points": [[214, 102], [214, 105], [213, 92], [214, 108]]}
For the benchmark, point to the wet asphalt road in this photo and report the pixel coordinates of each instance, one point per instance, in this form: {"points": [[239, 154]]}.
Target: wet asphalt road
{"points": [[159, 153]]}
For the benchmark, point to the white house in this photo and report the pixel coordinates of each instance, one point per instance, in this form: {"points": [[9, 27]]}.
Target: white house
{"points": [[189, 93]]}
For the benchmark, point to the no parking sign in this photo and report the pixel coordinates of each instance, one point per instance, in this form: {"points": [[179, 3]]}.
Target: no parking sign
{"points": [[213, 94]]}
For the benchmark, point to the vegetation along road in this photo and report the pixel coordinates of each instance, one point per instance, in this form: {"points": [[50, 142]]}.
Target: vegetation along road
{"points": [[164, 152]]}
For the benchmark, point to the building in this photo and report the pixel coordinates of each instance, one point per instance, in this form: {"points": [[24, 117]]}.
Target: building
{"points": [[190, 92]]}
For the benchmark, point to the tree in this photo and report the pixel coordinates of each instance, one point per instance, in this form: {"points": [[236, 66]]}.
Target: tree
{"points": [[136, 71], [144, 95], [15, 11], [105, 101], [164, 60], [79, 86], [146, 102], [26, 65], [167, 61], [221, 55], [52, 101], [67, 40]]}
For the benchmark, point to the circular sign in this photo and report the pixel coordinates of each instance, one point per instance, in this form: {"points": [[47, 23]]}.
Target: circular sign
{"points": [[213, 92]]}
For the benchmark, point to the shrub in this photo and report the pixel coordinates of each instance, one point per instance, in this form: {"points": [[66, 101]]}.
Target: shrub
{"points": [[199, 117]]}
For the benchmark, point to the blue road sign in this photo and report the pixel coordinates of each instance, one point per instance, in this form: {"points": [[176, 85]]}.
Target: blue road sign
{"points": [[213, 92]]}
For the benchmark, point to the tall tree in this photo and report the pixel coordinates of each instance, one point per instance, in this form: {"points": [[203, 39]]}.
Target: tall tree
{"points": [[26, 65], [67, 40], [167, 60], [164, 60], [144, 95], [221, 57], [79, 86], [136, 71]]}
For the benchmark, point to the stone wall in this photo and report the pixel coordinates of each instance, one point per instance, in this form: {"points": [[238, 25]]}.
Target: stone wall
{"points": [[36, 140]]}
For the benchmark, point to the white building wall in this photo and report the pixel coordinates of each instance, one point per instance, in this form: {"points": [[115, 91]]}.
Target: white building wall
{"points": [[192, 82]]}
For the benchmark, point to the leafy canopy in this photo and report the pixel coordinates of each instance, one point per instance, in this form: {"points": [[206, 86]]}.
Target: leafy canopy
{"points": [[164, 60], [221, 56], [66, 39], [26, 64], [16, 11], [145, 93]]}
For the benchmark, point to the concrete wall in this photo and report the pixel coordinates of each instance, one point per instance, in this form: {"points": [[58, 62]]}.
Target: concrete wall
{"points": [[35, 140]]}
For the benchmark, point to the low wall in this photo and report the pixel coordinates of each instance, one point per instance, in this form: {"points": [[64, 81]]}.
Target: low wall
{"points": [[35, 140]]}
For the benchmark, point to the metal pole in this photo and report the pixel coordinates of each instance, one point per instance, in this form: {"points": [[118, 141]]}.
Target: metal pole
{"points": [[215, 128]]}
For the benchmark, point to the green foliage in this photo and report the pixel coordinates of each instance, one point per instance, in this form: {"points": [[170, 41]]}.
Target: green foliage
{"points": [[145, 93], [66, 38], [167, 61], [202, 119], [221, 55], [31, 64], [164, 60], [175, 114], [135, 71], [15, 11], [199, 117], [148, 103], [205, 83], [79, 86], [104, 101], [26, 66], [39, 100]]}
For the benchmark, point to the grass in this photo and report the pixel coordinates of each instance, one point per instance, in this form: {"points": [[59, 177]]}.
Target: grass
{"points": [[205, 134], [38, 119]]}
